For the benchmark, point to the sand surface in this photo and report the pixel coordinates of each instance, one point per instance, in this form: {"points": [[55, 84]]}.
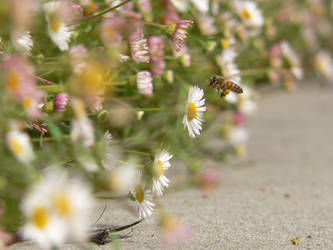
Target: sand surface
{"points": [[283, 190]]}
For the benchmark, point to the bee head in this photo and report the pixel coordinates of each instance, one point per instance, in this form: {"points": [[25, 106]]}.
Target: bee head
{"points": [[212, 80]]}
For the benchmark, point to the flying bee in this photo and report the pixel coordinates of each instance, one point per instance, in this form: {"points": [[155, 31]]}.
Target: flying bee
{"points": [[226, 85]]}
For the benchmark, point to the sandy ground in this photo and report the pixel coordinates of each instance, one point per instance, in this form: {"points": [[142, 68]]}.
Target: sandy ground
{"points": [[284, 190]]}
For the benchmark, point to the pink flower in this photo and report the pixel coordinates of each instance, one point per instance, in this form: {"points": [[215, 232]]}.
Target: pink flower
{"points": [[110, 31], [144, 83], [156, 48], [60, 102], [173, 232], [77, 56], [170, 15], [139, 47], [19, 82], [240, 118], [180, 34]]}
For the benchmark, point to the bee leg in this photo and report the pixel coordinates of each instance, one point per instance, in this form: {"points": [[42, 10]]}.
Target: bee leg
{"points": [[225, 93]]}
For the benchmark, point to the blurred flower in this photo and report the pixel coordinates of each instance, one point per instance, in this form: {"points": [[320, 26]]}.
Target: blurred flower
{"points": [[58, 31], [161, 164], [238, 135], [139, 47], [90, 84], [293, 60], [209, 178], [77, 56], [143, 199], [194, 111], [246, 103], [249, 13], [180, 5], [206, 25], [239, 118], [275, 56], [120, 114], [57, 210], [60, 102], [228, 67], [122, 179], [156, 47], [323, 62], [201, 5], [180, 34], [110, 31], [173, 231], [22, 41], [145, 9], [82, 129], [19, 81], [23, 13], [5, 239], [144, 83], [19, 144]]}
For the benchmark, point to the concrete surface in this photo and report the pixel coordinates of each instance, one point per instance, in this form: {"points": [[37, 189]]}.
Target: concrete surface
{"points": [[284, 190]]}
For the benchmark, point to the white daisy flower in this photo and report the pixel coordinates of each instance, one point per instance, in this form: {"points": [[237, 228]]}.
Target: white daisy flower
{"points": [[161, 164], [58, 31], [19, 144], [57, 211], [194, 111], [143, 199], [22, 41], [249, 13], [324, 64]]}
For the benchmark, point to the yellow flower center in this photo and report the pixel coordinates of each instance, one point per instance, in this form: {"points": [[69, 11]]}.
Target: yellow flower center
{"points": [[55, 23], [159, 168], [139, 194], [225, 43], [16, 146], [62, 204], [191, 111], [12, 81], [246, 14], [27, 102], [40, 217]]}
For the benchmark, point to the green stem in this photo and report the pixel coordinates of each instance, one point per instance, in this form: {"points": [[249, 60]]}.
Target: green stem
{"points": [[137, 152], [47, 138], [151, 109], [106, 11], [157, 25], [53, 89]]}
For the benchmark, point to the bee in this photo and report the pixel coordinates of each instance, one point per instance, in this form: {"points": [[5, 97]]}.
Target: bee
{"points": [[226, 85]]}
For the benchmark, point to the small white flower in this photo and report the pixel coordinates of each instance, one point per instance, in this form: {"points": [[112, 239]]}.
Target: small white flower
{"points": [[249, 13], [22, 41], [206, 25], [143, 200], [57, 211], [161, 164], [19, 144], [238, 136], [324, 64], [180, 5], [82, 129], [122, 179], [58, 31], [144, 83], [194, 111]]}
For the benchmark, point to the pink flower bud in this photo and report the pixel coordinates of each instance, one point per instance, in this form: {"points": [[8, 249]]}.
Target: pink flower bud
{"points": [[60, 102]]}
